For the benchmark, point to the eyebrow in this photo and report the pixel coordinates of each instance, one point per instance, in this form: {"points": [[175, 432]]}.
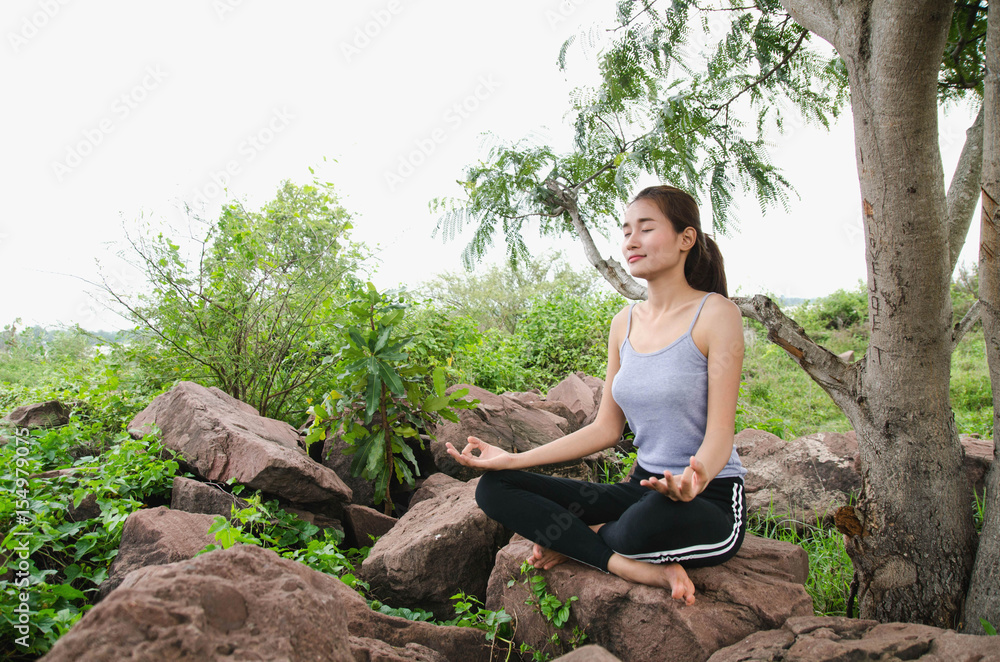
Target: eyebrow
{"points": [[638, 221]]}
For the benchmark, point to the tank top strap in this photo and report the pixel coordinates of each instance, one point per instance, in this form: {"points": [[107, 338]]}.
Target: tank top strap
{"points": [[697, 313], [628, 326]]}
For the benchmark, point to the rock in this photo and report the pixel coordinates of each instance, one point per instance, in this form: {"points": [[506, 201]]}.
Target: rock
{"points": [[87, 509], [829, 639], [439, 547], [978, 457], [374, 650], [502, 421], [576, 395], [362, 523], [434, 485], [192, 496], [846, 357], [157, 536], [51, 414], [221, 438], [758, 589], [316, 519], [247, 603], [804, 479], [589, 653]]}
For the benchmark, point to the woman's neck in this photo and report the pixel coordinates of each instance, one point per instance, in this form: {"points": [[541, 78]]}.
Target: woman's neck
{"points": [[668, 291]]}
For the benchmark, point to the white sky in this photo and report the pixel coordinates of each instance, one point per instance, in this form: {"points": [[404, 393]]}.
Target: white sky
{"points": [[122, 110]]}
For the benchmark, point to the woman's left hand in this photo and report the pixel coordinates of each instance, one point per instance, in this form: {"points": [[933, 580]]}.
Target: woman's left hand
{"points": [[685, 488]]}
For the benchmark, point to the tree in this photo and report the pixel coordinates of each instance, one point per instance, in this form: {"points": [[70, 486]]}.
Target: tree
{"points": [[911, 536], [251, 314]]}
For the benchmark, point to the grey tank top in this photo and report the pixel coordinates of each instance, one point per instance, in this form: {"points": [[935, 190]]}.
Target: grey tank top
{"points": [[664, 395]]}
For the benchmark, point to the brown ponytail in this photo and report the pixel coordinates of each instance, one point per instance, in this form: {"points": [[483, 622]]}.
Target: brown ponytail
{"points": [[704, 268]]}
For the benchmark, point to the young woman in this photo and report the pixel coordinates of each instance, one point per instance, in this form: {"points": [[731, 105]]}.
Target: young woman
{"points": [[674, 364]]}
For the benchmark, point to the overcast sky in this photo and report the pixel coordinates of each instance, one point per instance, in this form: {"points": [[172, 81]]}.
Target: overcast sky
{"points": [[119, 112]]}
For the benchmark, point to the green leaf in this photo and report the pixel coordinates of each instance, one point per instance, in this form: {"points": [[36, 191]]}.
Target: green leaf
{"points": [[67, 591], [391, 379], [439, 385], [436, 403]]}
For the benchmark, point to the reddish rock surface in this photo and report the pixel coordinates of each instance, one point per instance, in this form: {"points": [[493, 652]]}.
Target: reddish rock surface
{"points": [[836, 639], [503, 422], [978, 457], [589, 653], [758, 589], [247, 603], [221, 438], [156, 537], [434, 485], [803, 479], [362, 522], [576, 395], [193, 496], [49, 414], [439, 547]]}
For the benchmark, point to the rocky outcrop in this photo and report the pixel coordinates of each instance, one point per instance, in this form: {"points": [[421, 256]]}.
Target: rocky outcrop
{"points": [[804, 479], [157, 536], [439, 547], [362, 523], [51, 414], [247, 603], [577, 396], [978, 455], [194, 496], [589, 653], [433, 486], [220, 438], [758, 589], [834, 639], [502, 421]]}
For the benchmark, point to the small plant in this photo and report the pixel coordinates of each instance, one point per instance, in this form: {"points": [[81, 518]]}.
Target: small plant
{"points": [[386, 399], [556, 613], [988, 627]]}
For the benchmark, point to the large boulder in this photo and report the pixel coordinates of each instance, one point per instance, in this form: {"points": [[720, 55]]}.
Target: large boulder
{"points": [[758, 589], [220, 438], [157, 536], [247, 603], [503, 422], [363, 523], [978, 456], [51, 414], [834, 639], [194, 496], [439, 547], [434, 486], [804, 479], [576, 395]]}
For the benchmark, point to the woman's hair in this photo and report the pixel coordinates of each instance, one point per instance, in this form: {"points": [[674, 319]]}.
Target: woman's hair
{"points": [[704, 268]]}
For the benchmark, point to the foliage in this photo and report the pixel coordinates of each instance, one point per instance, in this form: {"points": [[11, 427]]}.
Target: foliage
{"points": [[830, 569], [556, 612], [386, 398], [248, 311], [499, 297], [664, 108], [68, 560]]}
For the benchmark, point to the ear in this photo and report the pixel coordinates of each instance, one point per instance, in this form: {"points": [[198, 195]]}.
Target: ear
{"points": [[688, 238]]}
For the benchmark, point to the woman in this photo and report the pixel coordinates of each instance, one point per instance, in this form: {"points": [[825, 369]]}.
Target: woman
{"points": [[674, 364]]}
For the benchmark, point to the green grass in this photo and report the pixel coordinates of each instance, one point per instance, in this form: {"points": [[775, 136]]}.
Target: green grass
{"points": [[830, 569]]}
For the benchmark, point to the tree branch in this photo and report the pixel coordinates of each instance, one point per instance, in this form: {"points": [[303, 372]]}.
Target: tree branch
{"points": [[817, 16], [963, 192], [971, 317], [837, 378], [610, 269]]}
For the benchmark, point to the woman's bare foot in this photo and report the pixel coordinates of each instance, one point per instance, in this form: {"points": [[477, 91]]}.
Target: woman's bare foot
{"points": [[543, 558], [665, 575]]}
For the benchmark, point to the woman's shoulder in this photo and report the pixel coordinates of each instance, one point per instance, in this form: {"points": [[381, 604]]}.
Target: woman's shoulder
{"points": [[619, 323], [721, 308], [724, 320]]}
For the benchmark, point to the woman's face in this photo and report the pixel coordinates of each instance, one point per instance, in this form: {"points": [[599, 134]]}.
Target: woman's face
{"points": [[649, 242]]}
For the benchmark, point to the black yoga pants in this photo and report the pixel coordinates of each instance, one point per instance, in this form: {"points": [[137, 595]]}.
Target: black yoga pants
{"points": [[639, 522]]}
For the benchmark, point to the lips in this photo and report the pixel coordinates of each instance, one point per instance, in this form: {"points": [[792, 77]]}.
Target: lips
{"points": [[633, 258]]}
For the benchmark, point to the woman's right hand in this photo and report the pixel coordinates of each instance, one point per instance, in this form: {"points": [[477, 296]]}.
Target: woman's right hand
{"points": [[489, 458]]}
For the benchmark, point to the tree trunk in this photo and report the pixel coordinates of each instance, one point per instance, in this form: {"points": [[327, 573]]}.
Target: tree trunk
{"points": [[914, 553], [983, 601]]}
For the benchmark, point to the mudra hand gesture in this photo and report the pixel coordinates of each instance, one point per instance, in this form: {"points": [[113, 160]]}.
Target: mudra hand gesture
{"points": [[685, 488], [489, 457]]}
